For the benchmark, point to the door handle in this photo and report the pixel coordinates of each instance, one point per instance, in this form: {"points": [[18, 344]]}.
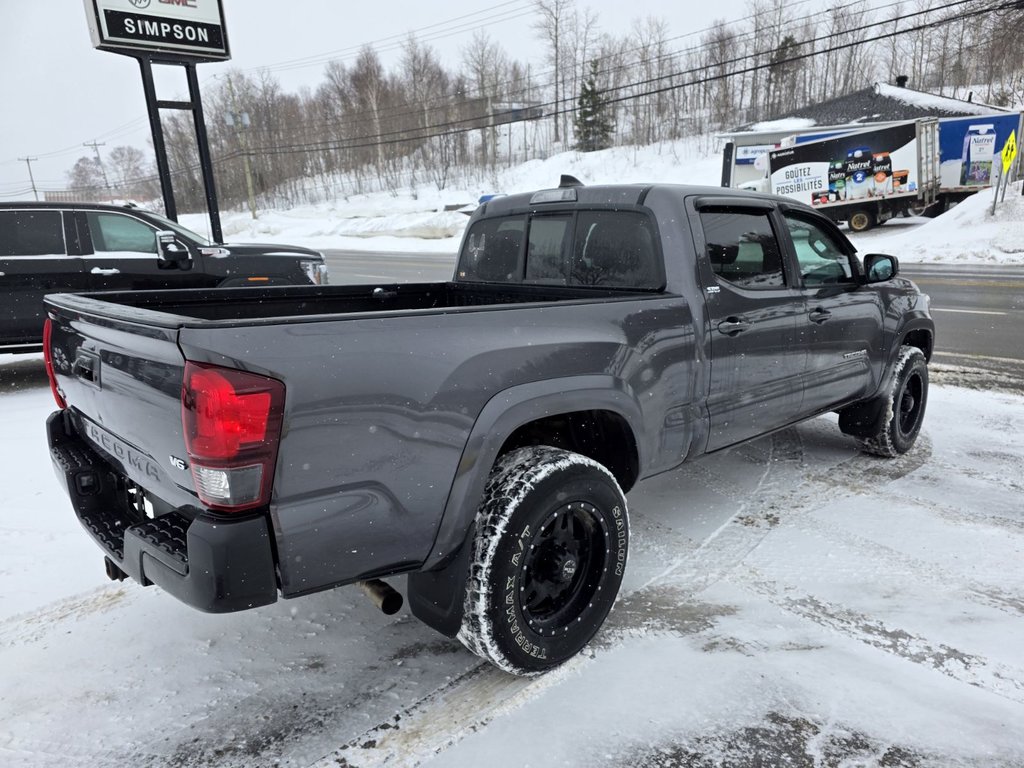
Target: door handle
{"points": [[101, 271], [734, 325], [820, 315]]}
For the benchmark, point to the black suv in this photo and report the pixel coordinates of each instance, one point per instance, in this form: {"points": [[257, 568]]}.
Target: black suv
{"points": [[71, 247]]}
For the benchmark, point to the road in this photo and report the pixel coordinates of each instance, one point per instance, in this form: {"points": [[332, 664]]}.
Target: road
{"points": [[978, 309], [978, 313]]}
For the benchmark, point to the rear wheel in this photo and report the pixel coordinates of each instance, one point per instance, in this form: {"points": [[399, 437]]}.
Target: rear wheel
{"points": [[548, 557], [861, 220]]}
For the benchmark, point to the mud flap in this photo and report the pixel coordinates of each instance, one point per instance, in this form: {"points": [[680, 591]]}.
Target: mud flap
{"points": [[863, 419], [437, 597]]}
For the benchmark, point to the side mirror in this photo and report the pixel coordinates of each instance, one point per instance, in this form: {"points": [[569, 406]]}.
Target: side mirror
{"points": [[879, 267], [171, 253]]}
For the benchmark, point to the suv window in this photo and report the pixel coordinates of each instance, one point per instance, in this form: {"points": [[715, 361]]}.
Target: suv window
{"points": [[606, 249], [31, 233], [822, 260], [743, 249], [114, 232]]}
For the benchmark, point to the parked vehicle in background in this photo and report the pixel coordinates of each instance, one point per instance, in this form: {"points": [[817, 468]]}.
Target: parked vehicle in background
{"points": [[71, 247], [478, 435], [865, 175]]}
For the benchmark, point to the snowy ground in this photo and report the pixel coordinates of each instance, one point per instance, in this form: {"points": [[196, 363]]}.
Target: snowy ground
{"points": [[788, 602]]}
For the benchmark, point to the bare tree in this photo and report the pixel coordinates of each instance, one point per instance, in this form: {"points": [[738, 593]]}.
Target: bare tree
{"points": [[552, 19]]}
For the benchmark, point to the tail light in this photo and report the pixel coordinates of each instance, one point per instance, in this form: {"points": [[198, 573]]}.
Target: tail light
{"points": [[48, 359], [232, 424]]}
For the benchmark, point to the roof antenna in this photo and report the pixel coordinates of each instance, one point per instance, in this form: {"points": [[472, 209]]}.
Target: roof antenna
{"points": [[569, 181]]}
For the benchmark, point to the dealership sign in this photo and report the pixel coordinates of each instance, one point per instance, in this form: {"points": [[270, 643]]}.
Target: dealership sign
{"points": [[190, 29]]}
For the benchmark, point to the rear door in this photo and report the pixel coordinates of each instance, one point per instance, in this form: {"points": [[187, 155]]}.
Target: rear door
{"points": [[123, 254], [842, 322], [754, 307], [34, 261]]}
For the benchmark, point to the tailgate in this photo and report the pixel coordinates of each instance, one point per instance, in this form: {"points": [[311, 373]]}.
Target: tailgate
{"points": [[122, 383]]}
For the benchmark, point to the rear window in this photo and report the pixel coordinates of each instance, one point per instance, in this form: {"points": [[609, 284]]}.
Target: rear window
{"points": [[601, 249], [31, 233]]}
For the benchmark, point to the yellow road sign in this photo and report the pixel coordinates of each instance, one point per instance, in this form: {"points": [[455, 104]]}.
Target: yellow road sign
{"points": [[1009, 151]]}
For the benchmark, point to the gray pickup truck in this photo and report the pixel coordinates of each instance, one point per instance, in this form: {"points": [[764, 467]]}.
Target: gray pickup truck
{"points": [[477, 435]]}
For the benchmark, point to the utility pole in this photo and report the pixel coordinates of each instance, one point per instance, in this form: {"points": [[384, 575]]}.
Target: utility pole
{"points": [[239, 125], [99, 160], [28, 162]]}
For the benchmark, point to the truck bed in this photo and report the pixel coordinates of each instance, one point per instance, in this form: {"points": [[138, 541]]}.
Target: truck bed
{"points": [[248, 306]]}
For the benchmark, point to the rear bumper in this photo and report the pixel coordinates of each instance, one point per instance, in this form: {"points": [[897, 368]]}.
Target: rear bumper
{"points": [[214, 564]]}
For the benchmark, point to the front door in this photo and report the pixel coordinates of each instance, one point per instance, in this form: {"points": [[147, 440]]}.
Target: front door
{"points": [[842, 322], [34, 261], [754, 308], [124, 255]]}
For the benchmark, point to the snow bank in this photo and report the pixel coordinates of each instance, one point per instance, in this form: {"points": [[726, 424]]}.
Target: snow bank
{"points": [[968, 233]]}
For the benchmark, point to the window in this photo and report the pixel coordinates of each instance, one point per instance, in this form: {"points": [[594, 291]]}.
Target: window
{"points": [[31, 233], [822, 260], [615, 249], [742, 248], [545, 253], [603, 249], [114, 232], [492, 251]]}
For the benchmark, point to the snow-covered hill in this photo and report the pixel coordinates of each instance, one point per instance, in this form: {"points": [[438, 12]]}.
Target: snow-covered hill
{"points": [[417, 219]]}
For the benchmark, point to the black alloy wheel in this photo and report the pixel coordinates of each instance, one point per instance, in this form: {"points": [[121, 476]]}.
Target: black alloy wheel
{"points": [[563, 567], [547, 560]]}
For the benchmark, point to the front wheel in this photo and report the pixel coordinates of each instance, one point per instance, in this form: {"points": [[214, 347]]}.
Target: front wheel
{"points": [[903, 407], [548, 557]]}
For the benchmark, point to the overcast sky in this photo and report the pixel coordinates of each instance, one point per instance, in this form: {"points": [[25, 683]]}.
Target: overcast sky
{"points": [[57, 91]]}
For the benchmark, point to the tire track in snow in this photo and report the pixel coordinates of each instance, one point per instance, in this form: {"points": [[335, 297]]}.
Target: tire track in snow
{"points": [[972, 669], [926, 571], [445, 716]]}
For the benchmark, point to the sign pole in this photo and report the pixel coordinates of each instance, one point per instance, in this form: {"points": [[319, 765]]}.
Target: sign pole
{"points": [[176, 32], [159, 148], [205, 162]]}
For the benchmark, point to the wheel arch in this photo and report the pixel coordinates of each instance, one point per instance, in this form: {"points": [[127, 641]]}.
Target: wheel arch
{"points": [[918, 335], [513, 418]]}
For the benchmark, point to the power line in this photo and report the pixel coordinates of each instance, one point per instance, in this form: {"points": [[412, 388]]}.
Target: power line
{"points": [[396, 40], [398, 112], [653, 85], [559, 107], [564, 105]]}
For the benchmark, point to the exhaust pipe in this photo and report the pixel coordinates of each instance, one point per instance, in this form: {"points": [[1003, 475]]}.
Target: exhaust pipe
{"points": [[383, 595]]}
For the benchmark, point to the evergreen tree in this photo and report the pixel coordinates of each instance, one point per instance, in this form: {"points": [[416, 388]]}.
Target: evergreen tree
{"points": [[593, 123]]}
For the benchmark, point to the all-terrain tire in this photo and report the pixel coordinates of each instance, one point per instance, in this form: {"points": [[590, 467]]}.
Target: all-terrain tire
{"points": [[903, 408], [552, 535]]}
